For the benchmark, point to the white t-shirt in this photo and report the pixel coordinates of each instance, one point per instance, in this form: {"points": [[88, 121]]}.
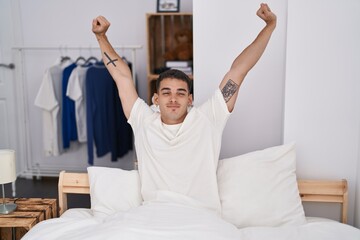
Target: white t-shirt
{"points": [[76, 92], [180, 161], [48, 99]]}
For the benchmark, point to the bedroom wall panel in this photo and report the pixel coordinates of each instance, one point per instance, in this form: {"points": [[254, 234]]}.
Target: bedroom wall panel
{"points": [[322, 103]]}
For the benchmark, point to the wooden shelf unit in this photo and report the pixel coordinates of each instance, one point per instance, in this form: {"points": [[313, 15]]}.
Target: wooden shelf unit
{"points": [[161, 30]]}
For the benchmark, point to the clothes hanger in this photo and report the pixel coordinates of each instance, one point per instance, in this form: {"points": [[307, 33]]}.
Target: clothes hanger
{"points": [[91, 58], [80, 59], [63, 58]]}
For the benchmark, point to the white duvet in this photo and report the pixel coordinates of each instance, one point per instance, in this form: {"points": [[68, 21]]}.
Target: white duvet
{"points": [[175, 221]]}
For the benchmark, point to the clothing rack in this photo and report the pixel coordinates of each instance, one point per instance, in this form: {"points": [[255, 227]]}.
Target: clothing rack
{"points": [[29, 167], [62, 48]]}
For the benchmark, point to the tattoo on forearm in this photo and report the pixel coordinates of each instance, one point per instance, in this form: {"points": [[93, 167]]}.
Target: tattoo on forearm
{"points": [[110, 61], [229, 90]]}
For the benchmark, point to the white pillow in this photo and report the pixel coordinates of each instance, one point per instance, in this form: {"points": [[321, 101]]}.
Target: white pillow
{"points": [[113, 189], [260, 188]]}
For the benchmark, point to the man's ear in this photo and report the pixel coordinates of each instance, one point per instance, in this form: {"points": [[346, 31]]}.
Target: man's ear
{"points": [[155, 99], [190, 100]]}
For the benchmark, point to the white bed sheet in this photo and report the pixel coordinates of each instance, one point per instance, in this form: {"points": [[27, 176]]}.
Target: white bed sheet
{"points": [[175, 221]]}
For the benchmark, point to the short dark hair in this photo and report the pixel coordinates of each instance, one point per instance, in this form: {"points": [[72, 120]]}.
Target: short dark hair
{"points": [[176, 74]]}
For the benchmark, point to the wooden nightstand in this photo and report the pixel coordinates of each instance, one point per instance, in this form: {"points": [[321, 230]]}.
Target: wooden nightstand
{"points": [[29, 212]]}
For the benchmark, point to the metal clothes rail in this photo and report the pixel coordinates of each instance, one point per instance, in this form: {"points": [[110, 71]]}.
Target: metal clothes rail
{"points": [[61, 48]]}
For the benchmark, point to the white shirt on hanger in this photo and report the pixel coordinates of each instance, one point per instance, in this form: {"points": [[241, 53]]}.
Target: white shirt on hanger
{"points": [[49, 100], [76, 91], [50, 105]]}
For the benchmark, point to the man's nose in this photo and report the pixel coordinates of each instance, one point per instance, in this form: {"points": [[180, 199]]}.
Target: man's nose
{"points": [[173, 98]]}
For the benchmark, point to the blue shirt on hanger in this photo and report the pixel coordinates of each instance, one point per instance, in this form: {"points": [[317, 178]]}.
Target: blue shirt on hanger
{"points": [[69, 131], [107, 125]]}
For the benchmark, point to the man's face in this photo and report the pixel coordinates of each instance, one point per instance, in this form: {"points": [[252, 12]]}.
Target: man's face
{"points": [[173, 99]]}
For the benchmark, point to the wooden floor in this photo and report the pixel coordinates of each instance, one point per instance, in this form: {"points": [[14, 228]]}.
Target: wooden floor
{"points": [[46, 187]]}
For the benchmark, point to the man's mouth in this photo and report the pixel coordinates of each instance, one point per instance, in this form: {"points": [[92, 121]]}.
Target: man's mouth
{"points": [[173, 106]]}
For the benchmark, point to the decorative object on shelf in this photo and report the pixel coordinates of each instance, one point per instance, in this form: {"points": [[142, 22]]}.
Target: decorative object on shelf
{"points": [[168, 5], [183, 50], [7, 175], [185, 66]]}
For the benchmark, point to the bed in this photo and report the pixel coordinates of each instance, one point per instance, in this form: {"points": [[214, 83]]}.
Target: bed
{"points": [[257, 193]]}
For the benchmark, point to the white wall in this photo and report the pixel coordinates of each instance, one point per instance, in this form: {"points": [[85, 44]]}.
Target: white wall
{"points": [[322, 106], [316, 55], [221, 31], [68, 23]]}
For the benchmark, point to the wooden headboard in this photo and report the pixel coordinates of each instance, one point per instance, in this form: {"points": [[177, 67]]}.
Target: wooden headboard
{"points": [[71, 183], [310, 190], [325, 191]]}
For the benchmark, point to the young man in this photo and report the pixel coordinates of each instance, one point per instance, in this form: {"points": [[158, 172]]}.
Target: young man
{"points": [[177, 149]]}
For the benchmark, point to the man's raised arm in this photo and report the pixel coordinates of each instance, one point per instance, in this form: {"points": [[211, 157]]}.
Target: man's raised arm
{"points": [[232, 80], [118, 69]]}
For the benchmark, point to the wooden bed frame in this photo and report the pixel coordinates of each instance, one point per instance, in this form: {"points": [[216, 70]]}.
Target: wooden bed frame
{"points": [[310, 190]]}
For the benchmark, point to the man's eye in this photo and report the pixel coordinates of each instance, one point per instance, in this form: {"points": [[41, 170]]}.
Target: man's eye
{"points": [[166, 93]]}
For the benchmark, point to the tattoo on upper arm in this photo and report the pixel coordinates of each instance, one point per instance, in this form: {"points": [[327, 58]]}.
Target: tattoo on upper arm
{"points": [[110, 61], [229, 90]]}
